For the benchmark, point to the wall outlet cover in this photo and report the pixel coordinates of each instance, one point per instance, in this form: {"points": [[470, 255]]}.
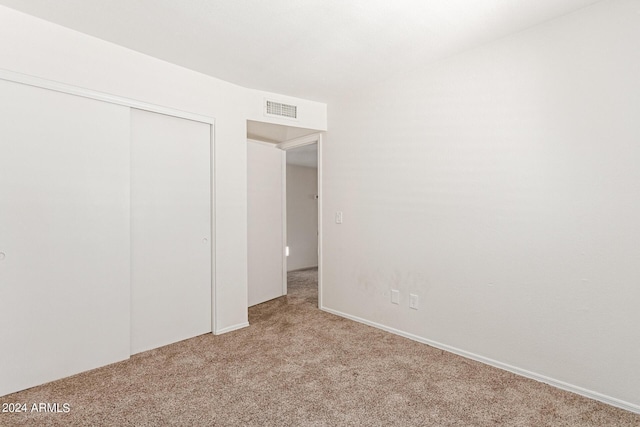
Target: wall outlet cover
{"points": [[395, 296], [413, 301]]}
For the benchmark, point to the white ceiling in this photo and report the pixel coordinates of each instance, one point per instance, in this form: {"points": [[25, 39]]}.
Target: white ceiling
{"points": [[273, 133], [307, 155], [306, 48]]}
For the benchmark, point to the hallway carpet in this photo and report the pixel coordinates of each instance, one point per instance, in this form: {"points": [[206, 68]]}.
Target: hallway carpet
{"points": [[298, 366]]}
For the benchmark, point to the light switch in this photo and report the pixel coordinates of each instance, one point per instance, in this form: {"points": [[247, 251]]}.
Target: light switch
{"points": [[339, 217]]}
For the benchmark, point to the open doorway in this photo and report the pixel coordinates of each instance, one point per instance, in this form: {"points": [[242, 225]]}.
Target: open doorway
{"points": [[302, 214], [283, 182]]}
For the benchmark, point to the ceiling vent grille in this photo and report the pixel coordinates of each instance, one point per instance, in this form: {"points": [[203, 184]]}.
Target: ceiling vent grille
{"points": [[278, 109]]}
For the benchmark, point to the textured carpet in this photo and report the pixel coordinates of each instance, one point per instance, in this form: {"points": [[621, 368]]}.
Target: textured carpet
{"points": [[298, 366]]}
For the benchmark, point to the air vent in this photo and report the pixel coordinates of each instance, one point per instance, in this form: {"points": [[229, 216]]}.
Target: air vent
{"points": [[278, 109]]}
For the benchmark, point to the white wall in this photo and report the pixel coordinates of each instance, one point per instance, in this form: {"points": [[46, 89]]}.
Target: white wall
{"points": [[265, 204], [302, 217], [501, 186], [35, 47]]}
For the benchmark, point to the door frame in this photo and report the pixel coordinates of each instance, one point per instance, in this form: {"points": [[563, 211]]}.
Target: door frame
{"points": [[315, 138]]}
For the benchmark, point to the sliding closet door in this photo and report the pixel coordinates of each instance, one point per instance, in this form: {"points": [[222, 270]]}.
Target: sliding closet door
{"points": [[170, 228], [64, 235]]}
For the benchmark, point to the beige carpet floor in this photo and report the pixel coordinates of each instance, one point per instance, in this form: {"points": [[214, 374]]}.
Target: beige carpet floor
{"points": [[298, 366]]}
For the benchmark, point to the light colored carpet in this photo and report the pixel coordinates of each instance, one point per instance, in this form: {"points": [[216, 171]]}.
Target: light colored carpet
{"points": [[298, 366]]}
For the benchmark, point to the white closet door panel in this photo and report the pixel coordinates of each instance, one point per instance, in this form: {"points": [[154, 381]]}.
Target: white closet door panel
{"points": [[64, 235], [264, 222], [171, 229]]}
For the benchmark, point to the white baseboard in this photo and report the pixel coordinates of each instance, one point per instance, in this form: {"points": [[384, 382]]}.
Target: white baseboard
{"points": [[230, 328], [522, 372]]}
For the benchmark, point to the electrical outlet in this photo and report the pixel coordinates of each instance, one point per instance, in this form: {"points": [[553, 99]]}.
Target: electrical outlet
{"points": [[395, 296], [339, 217], [413, 301]]}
